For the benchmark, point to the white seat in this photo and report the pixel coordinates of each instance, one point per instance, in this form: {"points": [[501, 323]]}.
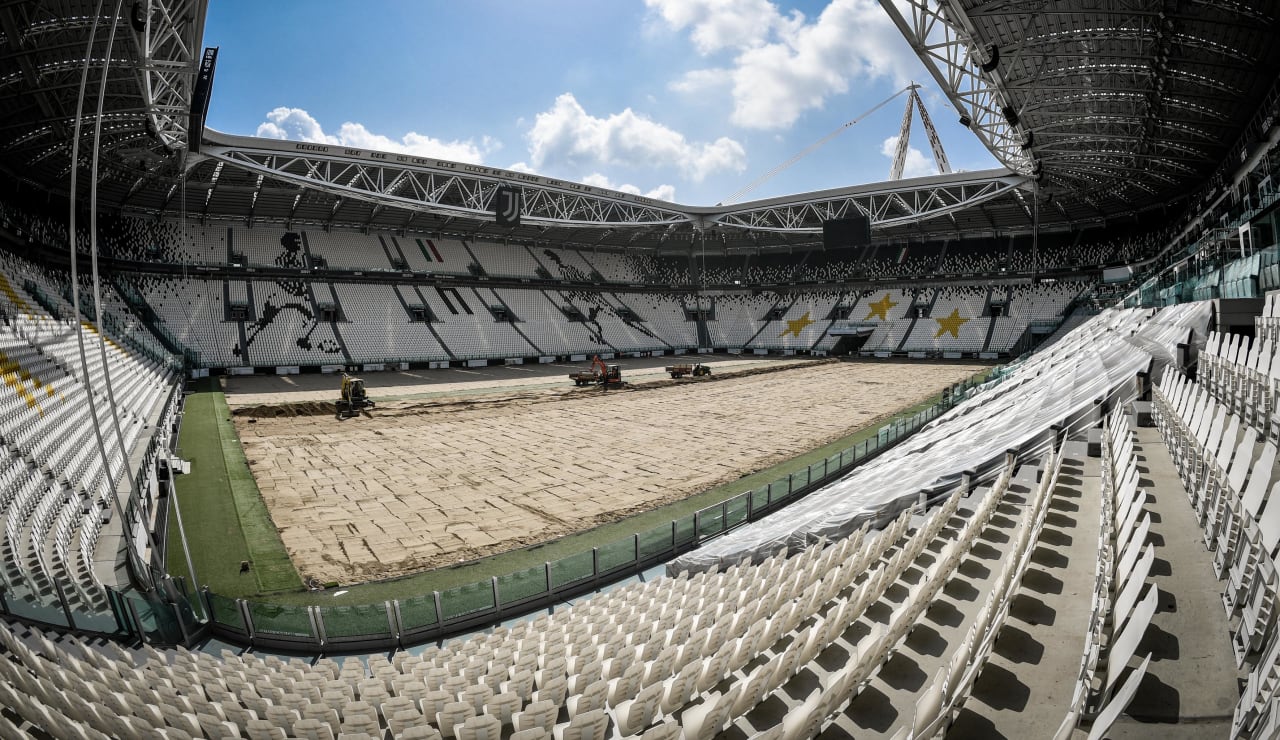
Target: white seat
{"points": [[593, 697], [662, 731], [503, 706], [452, 714], [479, 727], [312, 729], [929, 704], [804, 721], [636, 714], [593, 725], [1119, 702], [261, 729], [539, 714]]}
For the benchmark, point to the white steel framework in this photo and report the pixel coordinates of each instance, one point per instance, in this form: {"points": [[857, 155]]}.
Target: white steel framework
{"points": [[904, 138], [168, 33], [445, 188], [886, 204], [939, 33]]}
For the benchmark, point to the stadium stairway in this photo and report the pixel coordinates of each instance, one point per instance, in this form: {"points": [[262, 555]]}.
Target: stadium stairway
{"points": [[1048, 617], [991, 330], [331, 294]]}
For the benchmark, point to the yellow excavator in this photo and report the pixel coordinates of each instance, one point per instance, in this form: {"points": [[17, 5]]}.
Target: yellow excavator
{"points": [[354, 399]]}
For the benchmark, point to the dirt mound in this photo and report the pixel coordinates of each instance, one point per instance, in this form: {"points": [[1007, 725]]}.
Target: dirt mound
{"points": [[281, 410]]}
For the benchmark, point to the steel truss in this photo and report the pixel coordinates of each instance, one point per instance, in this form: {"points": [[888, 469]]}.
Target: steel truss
{"points": [[426, 185], [168, 56], [436, 186], [890, 204], [939, 32]]}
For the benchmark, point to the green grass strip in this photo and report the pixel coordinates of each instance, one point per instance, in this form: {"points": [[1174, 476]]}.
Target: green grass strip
{"points": [[226, 520], [213, 529], [271, 564]]}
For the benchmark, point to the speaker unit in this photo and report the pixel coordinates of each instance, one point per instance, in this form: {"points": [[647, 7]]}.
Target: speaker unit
{"points": [[846, 233], [993, 58]]}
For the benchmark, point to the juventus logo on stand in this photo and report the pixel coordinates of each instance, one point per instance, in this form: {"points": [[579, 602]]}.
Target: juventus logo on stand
{"points": [[506, 206]]}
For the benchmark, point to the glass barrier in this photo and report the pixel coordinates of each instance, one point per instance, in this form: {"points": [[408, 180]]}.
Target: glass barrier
{"points": [[710, 521], [571, 569], [523, 584], [656, 541], [616, 554], [418, 612], [281, 619], [684, 530], [736, 511], [226, 612], [468, 599], [354, 621]]}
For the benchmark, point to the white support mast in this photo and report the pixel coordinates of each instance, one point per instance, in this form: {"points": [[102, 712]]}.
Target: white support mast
{"points": [[904, 137]]}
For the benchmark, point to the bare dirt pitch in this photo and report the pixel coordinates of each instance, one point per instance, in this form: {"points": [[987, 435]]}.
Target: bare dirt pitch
{"points": [[426, 483]]}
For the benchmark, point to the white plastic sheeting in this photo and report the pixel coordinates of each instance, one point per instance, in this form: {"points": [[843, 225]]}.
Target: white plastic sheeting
{"points": [[1066, 386]]}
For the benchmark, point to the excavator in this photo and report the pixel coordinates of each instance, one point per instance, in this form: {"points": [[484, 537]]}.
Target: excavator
{"points": [[354, 399], [600, 374]]}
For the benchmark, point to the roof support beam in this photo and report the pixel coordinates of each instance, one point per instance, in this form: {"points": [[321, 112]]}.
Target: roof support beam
{"points": [[937, 30]]}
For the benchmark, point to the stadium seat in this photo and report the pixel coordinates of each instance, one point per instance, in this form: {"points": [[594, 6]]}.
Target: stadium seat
{"points": [[312, 729], [537, 715], [592, 725], [479, 727], [452, 714], [634, 715]]}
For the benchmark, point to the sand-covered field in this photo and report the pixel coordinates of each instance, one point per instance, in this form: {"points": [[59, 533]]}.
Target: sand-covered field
{"points": [[428, 482]]}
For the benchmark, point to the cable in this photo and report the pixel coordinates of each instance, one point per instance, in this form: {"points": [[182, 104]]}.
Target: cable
{"points": [[74, 257], [135, 494], [810, 149], [75, 279]]}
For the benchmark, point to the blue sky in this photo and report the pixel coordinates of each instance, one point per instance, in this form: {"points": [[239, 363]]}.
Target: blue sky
{"points": [[686, 100]]}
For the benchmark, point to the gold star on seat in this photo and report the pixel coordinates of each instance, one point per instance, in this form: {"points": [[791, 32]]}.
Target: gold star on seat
{"points": [[881, 308], [950, 324], [795, 326]]}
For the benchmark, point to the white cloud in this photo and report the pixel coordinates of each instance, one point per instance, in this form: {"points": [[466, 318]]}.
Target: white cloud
{"points": [[914, 165], [785, 65], [566, 135], [698, 82], [724, 24], [297, 124], [662, 192]]}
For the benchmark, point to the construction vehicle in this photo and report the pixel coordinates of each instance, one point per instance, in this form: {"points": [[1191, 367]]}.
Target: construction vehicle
{"points": [[354, 399], [679, 371], [600, 374]]}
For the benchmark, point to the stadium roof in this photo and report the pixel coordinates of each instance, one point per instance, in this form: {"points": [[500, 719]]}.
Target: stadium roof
{"points": [[1098, 111], [154, 47], [1122, 105]]}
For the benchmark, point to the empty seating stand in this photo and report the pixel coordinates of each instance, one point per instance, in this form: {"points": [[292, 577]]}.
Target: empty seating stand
{"points": [[700, 652], [57, 491], [1220, 429]]}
